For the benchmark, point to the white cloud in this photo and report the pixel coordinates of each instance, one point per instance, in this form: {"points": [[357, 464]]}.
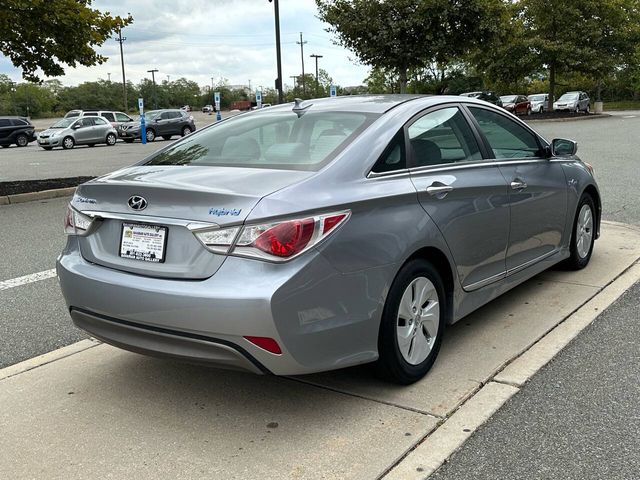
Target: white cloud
{"points": [[200, 39]]}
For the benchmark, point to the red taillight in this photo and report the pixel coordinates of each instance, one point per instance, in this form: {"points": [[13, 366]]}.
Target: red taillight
{"points": [[266, 343], [332, 221], [287, 238]]}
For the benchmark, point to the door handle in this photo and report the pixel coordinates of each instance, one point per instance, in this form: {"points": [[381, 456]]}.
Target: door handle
{"points": [[518, 184], [435, 190]]}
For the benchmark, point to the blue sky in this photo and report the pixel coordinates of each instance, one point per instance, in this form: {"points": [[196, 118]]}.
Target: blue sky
{"points": [[200, 39]]}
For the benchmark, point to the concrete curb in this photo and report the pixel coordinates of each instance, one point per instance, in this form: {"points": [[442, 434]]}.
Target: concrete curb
{"points": [[571, 119], [45, 358], [450, 436], [33, 196]]}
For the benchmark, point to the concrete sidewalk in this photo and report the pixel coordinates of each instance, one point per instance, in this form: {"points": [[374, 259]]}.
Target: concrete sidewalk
{"points": [[105, 413]]}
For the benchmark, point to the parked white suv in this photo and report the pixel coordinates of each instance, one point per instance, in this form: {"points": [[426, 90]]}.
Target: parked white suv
{"points": [[115, 118]]}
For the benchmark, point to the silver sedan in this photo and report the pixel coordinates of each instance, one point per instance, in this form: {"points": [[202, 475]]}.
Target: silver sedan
{"points": [[69, 132], [324, 234]]}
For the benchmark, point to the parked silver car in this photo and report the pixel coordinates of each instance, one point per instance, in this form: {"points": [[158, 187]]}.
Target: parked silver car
{"points": [[573, 101], [69, 132], [539, 102], [324, 234]]}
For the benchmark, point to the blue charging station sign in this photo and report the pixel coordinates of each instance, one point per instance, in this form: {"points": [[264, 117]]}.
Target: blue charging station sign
{"points": [[143, 129]]}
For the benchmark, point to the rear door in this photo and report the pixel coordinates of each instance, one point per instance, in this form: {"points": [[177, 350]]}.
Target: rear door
{"points": [[100, 129], [5, 129], [463, 194], [537, 187]]}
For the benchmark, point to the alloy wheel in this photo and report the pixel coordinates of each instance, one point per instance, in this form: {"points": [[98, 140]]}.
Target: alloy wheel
{"points": [[418, 320], [22, 141], [584, 231]]}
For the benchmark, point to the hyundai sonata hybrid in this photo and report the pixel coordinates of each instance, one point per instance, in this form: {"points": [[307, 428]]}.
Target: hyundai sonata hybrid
{"points": [[325, 233]]}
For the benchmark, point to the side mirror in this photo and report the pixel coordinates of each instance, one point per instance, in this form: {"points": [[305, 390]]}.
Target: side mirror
{"points": [[76, 126], [561, 147]]}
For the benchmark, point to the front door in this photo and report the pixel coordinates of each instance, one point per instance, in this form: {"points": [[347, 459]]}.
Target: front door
{"points": [[464, 195], [84, 133], [537, 188]]}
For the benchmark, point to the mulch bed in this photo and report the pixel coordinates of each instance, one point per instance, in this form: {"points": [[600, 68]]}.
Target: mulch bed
{"points": [[553, 115], [27, 186]]}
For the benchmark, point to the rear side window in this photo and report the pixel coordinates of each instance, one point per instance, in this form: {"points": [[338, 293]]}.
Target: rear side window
{"points": [[19, 123], [5, 122], [280, 140], [506, 138], [121, 117], [394, 157], [90, 114], [440, 137], [109, 116]]}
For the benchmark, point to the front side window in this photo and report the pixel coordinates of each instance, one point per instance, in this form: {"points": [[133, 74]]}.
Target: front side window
{"points": [[86, 122], [281, 140], [506, 138], [443, 136]]}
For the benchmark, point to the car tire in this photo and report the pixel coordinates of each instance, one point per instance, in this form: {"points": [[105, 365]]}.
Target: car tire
{"points": [[408, 347], [167, 137], [22, 140], [186, 131], [91, 145], [68, 143], [48, 148], [588, 109], [529, 111], [5, 146], [111, 139], [128, 140], [583, 234], [151, 135], [577, 110]]}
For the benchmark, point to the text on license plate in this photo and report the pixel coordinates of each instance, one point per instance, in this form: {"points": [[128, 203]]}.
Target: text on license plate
{"points": [[143, 242]]}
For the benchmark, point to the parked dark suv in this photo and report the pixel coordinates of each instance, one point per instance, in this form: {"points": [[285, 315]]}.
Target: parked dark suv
{"points": [[16, 130], [159, 123], [487, 96]]}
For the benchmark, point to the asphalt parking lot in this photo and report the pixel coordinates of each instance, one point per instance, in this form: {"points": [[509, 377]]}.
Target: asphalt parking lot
{"points": [[231, 425]]}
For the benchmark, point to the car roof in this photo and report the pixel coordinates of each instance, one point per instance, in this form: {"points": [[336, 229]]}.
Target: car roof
{"points": [[351, 103]]}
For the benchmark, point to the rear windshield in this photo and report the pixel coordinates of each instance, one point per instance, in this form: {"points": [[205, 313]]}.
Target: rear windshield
{"points": [[280, 140], [536, 98]]}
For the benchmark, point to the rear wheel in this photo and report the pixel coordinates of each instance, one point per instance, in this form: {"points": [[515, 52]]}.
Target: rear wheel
{"points": [[588, 109], [22, 140], [6, 146], [151, 135], [186, 131], [583, 234], [413, 322], [111, 139], [528, 110], [68, 143]]}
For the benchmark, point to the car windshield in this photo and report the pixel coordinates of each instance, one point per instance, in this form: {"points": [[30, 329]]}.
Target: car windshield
{"points": [[509, 98], [568, 96], [281, 140], [64, 123], [536, 98]]}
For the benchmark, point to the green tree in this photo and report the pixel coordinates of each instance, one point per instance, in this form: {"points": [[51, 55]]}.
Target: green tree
{"points": [[404, 35], [45, 34], [588, 36]]}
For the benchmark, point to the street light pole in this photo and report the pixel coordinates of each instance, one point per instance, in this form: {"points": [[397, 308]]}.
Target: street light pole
{"points": [[276, 8], [316, 57], [109, 77], [13, 97], [301, 43], [121, 40], [153, 79]]}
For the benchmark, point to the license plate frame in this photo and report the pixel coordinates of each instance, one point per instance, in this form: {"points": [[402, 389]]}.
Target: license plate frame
{"points": [[156, 246]]}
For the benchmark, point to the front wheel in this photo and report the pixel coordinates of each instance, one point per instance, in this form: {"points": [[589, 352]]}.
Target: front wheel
{"points": [[111, 139], [68, 143], [413, 321], [22, 140], [529, 111], [583, 234]]}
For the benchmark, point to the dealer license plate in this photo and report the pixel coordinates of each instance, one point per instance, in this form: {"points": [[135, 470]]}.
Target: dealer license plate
{"points": [[143, 242]]}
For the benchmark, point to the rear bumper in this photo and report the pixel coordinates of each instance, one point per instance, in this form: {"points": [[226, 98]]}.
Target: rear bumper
{"points": [[320, 318], [162, 342]]}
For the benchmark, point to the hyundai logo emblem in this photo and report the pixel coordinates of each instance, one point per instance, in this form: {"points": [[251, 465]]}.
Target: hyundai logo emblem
{"points": [[136, 202]]}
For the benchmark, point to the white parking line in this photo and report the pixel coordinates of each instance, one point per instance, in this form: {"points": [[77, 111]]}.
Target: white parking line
{"points": [[34, 277]]}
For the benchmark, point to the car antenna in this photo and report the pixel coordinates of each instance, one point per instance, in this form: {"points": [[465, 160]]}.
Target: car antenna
{"points": [[298, 109]]}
